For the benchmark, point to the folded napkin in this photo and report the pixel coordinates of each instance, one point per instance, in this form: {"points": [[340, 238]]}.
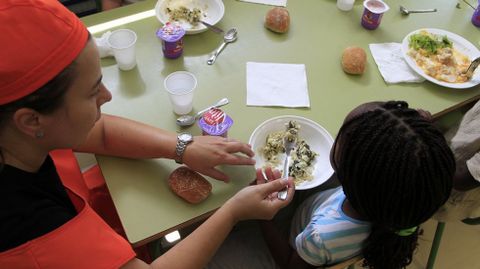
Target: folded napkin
{"points": [[102, 45], [270, 84], [392, 65], [280, 3]]}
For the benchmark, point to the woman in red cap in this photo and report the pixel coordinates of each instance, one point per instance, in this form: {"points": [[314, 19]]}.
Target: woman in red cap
{"points": [[51, 92]]}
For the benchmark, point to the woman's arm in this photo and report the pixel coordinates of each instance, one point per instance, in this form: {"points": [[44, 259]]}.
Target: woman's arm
{"points": [[197, 249], [116, 136]]}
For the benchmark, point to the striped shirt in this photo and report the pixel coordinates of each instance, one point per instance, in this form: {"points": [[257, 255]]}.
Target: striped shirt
{"points": [[322, 234]]}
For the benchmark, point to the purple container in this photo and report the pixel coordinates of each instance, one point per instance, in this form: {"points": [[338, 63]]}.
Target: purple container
{"points": [[215, 122], [372, 13], [476, 16], [171, 35]]}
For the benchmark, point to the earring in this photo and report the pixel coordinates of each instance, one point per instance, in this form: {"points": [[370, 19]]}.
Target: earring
{"points": [[39, 134]]}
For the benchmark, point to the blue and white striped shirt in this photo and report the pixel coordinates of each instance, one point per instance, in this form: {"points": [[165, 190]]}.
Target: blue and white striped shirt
{"points": [[322, 233]]}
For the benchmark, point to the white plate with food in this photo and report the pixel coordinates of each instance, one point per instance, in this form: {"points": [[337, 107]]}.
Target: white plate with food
{"points": [[441, 57], [267, 142], [188, 13]]}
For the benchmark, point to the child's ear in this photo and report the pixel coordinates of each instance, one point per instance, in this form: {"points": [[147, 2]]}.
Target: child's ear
{"points": [[28, 121]]}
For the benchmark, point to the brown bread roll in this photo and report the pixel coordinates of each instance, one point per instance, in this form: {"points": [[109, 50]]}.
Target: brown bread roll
{"points": [[189, 185], [277, 20], [354, 60]]}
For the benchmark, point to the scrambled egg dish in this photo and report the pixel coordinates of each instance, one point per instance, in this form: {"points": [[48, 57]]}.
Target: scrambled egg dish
{"points": [[301, 168], [437, 57]]}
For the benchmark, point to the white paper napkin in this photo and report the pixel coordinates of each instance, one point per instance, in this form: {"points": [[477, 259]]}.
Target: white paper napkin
{"points": [[280, 3], [102, 45], [392, 65], [272, 84]]}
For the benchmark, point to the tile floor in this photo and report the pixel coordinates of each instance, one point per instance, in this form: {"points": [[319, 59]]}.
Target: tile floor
{"points": [[459, 248]]}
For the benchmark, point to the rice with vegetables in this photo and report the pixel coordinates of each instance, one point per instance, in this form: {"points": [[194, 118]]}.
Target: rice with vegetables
{"points": [[301, 168]]}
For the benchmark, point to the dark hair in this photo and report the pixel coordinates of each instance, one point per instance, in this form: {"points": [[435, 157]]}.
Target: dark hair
{"points": [[46, 99], [396, 170]]}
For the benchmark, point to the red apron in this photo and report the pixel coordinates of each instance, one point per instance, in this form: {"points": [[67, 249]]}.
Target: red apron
{"points": [[85, 241]]}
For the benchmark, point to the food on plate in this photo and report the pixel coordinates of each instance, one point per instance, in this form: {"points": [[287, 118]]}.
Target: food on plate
{"points": [[189, 185], [277, 20], [183, 13], [301, 168], [437, 57], [179, 10], [354, 60]]}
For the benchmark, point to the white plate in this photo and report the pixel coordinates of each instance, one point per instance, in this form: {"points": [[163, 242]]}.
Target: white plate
{"points": [[459, 43], [212, 9], [316, 136]]}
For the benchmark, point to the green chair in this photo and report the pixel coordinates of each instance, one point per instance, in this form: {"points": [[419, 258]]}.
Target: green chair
{"points": [[438, 237]]}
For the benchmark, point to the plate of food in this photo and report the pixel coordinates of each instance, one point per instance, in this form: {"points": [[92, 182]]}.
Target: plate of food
{"points": [[441, 57], [188, 13], [310, 159]]}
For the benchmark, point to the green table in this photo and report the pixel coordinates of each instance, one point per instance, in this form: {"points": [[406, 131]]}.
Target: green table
{"points": [[318, 34]]}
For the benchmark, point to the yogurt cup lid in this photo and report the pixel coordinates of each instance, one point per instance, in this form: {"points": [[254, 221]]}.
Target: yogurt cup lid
{"points": [[171, 32], [215, 122], [217, 129], [376, 6]]}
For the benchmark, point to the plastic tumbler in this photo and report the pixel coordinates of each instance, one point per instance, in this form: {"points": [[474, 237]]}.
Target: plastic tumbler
{"points": [[345, 5], [180, 86], [122, 42], [372, 13]]}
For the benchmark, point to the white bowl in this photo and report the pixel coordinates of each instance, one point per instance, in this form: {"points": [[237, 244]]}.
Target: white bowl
{"points": [[212, 12], [316, 136]]}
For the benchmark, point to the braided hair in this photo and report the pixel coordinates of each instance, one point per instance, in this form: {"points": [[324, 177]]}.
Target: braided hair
{"points": [[396, 171]]}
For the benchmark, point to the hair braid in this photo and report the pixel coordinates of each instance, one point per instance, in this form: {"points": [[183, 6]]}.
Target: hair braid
{"points": [[396, 170]]}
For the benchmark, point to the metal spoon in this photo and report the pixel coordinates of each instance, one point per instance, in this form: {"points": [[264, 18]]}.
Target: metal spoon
{"points": [[405, 11], [229, 37], [187, 120]]}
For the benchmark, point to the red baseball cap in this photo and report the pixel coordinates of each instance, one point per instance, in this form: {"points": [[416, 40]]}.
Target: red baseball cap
{"points": [[39, 38]]}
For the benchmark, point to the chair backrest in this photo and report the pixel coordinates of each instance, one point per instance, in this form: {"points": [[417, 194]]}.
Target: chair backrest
{"points": [[350, 262]]}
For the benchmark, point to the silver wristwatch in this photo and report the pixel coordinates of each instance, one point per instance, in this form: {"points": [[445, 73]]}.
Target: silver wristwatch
{"points": [[183, 139]]}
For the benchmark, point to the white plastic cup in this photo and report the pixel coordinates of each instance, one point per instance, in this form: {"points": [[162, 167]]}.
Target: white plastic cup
{"points": [[181, 85], [122, 42], [345, 5]]}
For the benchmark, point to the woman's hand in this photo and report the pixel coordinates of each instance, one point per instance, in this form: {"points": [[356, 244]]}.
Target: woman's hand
{"points": [[260, 201], [206, 152]]}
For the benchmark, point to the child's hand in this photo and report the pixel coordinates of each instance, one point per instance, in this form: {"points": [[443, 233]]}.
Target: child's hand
{"points": [[260, 201]]}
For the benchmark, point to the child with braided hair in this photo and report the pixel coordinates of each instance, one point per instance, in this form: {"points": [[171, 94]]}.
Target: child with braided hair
{"points": [[395, 170]]}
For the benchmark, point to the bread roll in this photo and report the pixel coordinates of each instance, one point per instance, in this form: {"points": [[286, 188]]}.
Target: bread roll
{"points": [[277, 20], [354, 60], [189, 185]]}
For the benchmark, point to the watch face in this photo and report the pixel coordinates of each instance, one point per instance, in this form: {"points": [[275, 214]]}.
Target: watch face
{"points": [[185, 137]]}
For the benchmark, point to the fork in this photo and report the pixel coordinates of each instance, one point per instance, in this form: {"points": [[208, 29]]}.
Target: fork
{"points": [[472, 67], [212, 27], [289, 146]]}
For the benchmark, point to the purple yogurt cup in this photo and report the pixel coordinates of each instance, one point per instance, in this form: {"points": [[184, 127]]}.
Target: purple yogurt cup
{"points": [[171, 35], [215, 122], [372, 13], [476, 16]]}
